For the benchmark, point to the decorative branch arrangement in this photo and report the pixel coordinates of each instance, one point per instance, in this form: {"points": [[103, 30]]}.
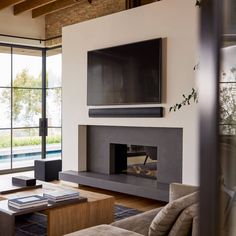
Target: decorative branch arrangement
{"points": [[193, 96], [187, 98]]}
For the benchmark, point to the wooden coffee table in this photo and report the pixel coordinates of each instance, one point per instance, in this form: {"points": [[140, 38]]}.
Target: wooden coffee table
{"points": [[63, 218]]}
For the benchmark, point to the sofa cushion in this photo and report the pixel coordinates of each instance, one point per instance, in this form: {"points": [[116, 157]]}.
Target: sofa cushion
{"points": [[104, 230], [165, 219], [183, 224]]}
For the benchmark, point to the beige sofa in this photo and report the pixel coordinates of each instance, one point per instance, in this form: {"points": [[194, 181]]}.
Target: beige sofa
{"points": [[139, 224]]}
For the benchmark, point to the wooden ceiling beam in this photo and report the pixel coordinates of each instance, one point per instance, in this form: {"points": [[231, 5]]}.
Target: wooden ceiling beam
{"points": [[29, 5], [8, 3], [52, 7]]}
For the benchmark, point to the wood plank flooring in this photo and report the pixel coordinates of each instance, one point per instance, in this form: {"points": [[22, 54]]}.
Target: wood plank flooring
{"points": [[139, 203]]}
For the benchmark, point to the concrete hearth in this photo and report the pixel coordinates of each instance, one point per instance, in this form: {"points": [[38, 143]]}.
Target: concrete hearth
{"points": [[100, 163]]}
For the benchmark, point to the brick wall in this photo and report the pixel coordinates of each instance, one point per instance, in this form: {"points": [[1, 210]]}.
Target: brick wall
{"points": [[79, 12]]}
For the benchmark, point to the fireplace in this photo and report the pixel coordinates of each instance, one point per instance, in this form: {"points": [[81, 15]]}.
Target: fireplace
{"points": [[136, 160]]}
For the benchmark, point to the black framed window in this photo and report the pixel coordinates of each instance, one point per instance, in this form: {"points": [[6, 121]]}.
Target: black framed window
{"points": [[228, 89], [24, 98], [227, 109]]}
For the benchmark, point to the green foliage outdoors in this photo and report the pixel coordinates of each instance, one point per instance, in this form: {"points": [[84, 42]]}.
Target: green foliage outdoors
{"points": [[27, 103], [228, 103], [5, 141]]}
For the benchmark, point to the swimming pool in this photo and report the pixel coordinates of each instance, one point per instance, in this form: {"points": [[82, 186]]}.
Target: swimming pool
{"points": [[30, 155]]}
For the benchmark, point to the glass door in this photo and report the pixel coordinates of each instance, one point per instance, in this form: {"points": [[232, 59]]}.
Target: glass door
{"points": [[30, 106], [26, 94]]}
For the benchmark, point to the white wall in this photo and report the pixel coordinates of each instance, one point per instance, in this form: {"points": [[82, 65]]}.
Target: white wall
{"points": [[21, 25], [175, 20]]}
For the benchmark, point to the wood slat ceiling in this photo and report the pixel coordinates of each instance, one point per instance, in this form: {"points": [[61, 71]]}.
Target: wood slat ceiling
{"points": [[38, 7], [52, 7], [29, 5], [8, 3]]}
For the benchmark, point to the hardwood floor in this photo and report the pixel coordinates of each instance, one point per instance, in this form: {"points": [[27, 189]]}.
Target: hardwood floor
{"points": [[139, 203]]}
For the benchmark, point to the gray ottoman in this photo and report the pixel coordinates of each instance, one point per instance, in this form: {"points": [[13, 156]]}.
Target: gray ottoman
{"points": [[47, 170]]}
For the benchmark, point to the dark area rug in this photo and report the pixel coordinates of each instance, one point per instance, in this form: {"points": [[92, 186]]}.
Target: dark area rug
{"points": [[36, 224], [31, 224], [122, 212]]}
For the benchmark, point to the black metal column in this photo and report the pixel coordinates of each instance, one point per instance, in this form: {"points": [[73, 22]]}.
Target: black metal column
{"points": [[211, 22], [12, 108], [43, 120]]}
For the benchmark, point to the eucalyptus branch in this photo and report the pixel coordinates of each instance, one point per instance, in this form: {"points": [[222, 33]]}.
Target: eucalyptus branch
{"points": [[193, 96]]}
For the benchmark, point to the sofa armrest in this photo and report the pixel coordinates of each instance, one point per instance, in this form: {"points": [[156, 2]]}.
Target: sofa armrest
{"points": [[103, 230], [179, 190], [195, 226], [139, 223]]}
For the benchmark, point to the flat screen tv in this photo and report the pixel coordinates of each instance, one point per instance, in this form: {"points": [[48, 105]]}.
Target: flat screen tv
{"points": [[125, 74]]}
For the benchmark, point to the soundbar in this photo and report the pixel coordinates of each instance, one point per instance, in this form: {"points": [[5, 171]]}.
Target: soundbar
{"points": [[127, 112]]}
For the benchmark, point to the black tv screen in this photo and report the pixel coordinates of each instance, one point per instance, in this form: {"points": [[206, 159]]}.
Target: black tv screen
{"points": [[126, 74]]}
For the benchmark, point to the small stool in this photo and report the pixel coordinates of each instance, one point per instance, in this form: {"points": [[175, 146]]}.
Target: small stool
{"points": [[47, 170]]}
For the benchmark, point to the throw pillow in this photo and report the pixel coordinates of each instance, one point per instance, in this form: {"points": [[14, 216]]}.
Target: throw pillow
{"points": [[183, 224], [164, 220]]}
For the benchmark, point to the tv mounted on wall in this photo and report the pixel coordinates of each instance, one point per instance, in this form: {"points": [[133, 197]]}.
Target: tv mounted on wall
{"points": [[125, 74]]}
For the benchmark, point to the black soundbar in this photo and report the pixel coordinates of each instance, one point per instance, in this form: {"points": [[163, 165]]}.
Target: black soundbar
{"points": [[127, 112]]}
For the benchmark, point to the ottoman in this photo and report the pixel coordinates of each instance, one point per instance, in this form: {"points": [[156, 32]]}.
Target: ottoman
{"points": [[47, 170]]}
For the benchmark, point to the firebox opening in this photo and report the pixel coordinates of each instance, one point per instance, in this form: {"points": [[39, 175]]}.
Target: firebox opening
{"points": [[138, 160]]}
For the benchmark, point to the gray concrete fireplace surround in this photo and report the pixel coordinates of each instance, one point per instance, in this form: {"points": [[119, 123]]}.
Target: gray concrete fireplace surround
{"points": [[100, 171]]}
